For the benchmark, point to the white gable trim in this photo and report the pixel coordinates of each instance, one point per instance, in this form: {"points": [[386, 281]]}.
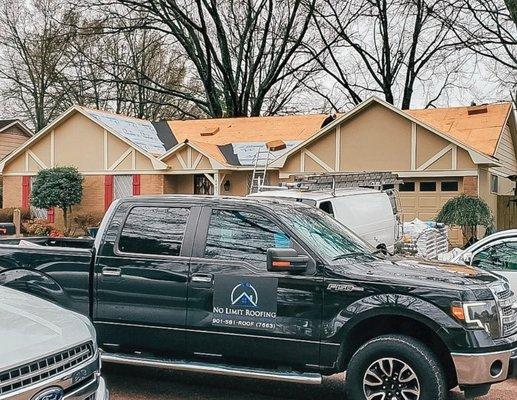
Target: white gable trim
{"points": [[213, 162], [477, 157], [156, 163], [21, 125]]}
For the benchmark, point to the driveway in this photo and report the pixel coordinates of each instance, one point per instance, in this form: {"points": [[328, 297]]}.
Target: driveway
{"points": [[132, 383]]}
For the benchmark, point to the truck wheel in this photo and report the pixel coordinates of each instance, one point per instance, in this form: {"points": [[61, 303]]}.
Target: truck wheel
{"points": [[395, 367]]}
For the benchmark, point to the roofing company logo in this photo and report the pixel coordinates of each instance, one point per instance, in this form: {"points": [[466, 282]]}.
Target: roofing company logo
{"points": [[244, 295]]}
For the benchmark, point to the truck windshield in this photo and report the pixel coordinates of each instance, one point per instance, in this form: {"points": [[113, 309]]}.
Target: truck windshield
{"points": [[324, 234]]}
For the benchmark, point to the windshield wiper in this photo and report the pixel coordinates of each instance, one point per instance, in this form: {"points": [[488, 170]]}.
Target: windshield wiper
{"points": [[352, 254]]}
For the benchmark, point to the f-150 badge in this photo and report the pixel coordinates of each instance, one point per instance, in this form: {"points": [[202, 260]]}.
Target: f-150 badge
{"points": [[342, 287]]}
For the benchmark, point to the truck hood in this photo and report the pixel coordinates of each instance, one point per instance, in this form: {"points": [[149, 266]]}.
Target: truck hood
{"points": [[32, 328], [416, 272]]}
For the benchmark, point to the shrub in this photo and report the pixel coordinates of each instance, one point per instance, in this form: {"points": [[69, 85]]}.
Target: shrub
{"points": [[58, 187], [39, 227], [6, 214], [466, 212], [88, 220]]}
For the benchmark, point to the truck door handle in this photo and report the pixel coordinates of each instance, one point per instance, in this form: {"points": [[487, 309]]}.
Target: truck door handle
{"points": [[110, 271], [202, 278]]}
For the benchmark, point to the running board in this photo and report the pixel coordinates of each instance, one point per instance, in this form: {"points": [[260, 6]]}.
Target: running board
{"points": [[217, 369]]}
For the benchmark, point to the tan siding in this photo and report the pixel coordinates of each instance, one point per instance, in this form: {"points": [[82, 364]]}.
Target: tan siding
{"points": [[428, 144], [10, 142], [505, 153]]}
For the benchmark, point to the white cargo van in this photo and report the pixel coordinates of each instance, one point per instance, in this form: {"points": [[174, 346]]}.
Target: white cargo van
{"points": [[367, 212]]}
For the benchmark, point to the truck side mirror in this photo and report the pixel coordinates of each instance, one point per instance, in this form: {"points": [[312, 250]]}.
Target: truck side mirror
{"points": [[467, 258], [286, 259]]}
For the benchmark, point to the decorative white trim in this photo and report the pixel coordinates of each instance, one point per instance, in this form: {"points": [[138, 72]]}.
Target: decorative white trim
{"points": [[435, 174], [181, 161], [197, 161], [21, 125], [217, 184], [122, 172], [302, 160], [26, 161], [105, 153], [477, 157], [189, 157], [210, 178], [36, 159], [52, 148], [454, 157], [435, 158], [121, 158], [413, 146], [318, 161], [337, 163]]}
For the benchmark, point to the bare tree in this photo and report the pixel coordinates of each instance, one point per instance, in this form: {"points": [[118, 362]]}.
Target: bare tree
{"points": [[386, 47], [33, 41], [489, 29], [239, 50]]}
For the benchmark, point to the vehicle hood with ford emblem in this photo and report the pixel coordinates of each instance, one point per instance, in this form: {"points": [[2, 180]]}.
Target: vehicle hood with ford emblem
{"points": [[414, 272], [32, 328]]}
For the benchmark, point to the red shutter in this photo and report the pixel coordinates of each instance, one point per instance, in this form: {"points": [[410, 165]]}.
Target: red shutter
{"points": [[26, 190], [108, 190], [51, 215], [136, 184]]}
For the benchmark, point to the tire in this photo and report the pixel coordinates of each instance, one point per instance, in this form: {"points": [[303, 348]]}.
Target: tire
{"points": [[405, 366]]}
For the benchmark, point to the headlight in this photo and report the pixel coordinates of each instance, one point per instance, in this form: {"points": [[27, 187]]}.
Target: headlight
{"points": [[479, 315]]}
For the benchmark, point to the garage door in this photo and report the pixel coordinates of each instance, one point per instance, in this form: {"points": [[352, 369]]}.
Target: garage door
{"points": [[424, 198]]}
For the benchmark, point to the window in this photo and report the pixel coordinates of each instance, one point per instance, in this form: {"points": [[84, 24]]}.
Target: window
{"points": [[428, 186], [449, 186], [202, 185], [407, 187], [327, 207], [122, 186], [388, 186], [497, 256], [494, 184], [242, 236], [154, 230]]}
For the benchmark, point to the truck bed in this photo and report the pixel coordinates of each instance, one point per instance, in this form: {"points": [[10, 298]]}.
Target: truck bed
{"points": [[58, 269]]}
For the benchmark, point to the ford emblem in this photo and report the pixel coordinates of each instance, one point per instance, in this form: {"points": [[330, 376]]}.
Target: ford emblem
{"points": [[54, 393]]}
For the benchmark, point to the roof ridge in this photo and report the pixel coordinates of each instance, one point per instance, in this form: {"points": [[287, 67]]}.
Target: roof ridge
{"points": [[456, 107], [245, 117], [102, 111]]}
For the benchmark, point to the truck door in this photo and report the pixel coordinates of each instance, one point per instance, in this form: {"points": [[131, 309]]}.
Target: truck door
{"points": [[238, 310], [141, 276]]}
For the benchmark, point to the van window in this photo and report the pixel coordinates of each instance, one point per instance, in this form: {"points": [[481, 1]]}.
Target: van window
{"points": [[243, 236], [327, 207], [154, 230]]}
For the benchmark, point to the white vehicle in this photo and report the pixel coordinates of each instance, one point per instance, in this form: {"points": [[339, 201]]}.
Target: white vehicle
{"points": [[367, 212], [496, 253], [46, 352]]}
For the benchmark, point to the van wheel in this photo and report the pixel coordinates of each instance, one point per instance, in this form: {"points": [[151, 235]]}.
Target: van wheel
{"points": [[395, 367]]}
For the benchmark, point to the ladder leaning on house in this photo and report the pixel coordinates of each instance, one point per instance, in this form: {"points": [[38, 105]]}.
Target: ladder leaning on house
{"points": [[260, 165]]}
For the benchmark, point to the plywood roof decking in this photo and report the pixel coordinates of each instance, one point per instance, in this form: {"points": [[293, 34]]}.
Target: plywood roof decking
{"points": [[481, 131], [222, 131]]}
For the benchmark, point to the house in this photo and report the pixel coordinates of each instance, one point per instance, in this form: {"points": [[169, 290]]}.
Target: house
{"points": [[13, 133], [439, 153]]}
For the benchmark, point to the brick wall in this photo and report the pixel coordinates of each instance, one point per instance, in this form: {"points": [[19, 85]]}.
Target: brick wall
{"points": [[12, 191], [151, 184], [470, 185]]}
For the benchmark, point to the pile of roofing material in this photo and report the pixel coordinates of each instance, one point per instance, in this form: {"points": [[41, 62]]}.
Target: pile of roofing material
{"points": [[425, 239]]}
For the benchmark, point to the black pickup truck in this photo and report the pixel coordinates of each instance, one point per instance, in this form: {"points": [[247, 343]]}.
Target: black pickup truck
{"points": [[272, 290]]}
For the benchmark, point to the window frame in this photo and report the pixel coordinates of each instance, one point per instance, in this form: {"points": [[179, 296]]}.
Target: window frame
{"points": [[186, 244], [494, 178], [199, 243]]}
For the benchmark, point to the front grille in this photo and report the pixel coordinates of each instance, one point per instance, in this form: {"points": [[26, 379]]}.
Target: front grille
{"points": [[508, 313], [44, 368]]}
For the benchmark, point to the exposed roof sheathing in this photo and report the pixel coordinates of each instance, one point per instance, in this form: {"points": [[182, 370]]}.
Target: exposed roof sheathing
{"points": [[479, 129], [248, 129]]}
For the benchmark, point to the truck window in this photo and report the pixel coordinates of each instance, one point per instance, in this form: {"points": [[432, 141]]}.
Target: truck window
{"points": [[154, 230], [242, 236], [327, 207]]}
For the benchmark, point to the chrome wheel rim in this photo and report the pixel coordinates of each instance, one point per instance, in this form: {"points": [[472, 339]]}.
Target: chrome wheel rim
{"points": [[391, 379]]}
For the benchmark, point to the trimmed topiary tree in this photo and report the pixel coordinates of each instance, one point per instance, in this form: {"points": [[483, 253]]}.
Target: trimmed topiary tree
{"points": [[467, 212], [58, 187]]}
